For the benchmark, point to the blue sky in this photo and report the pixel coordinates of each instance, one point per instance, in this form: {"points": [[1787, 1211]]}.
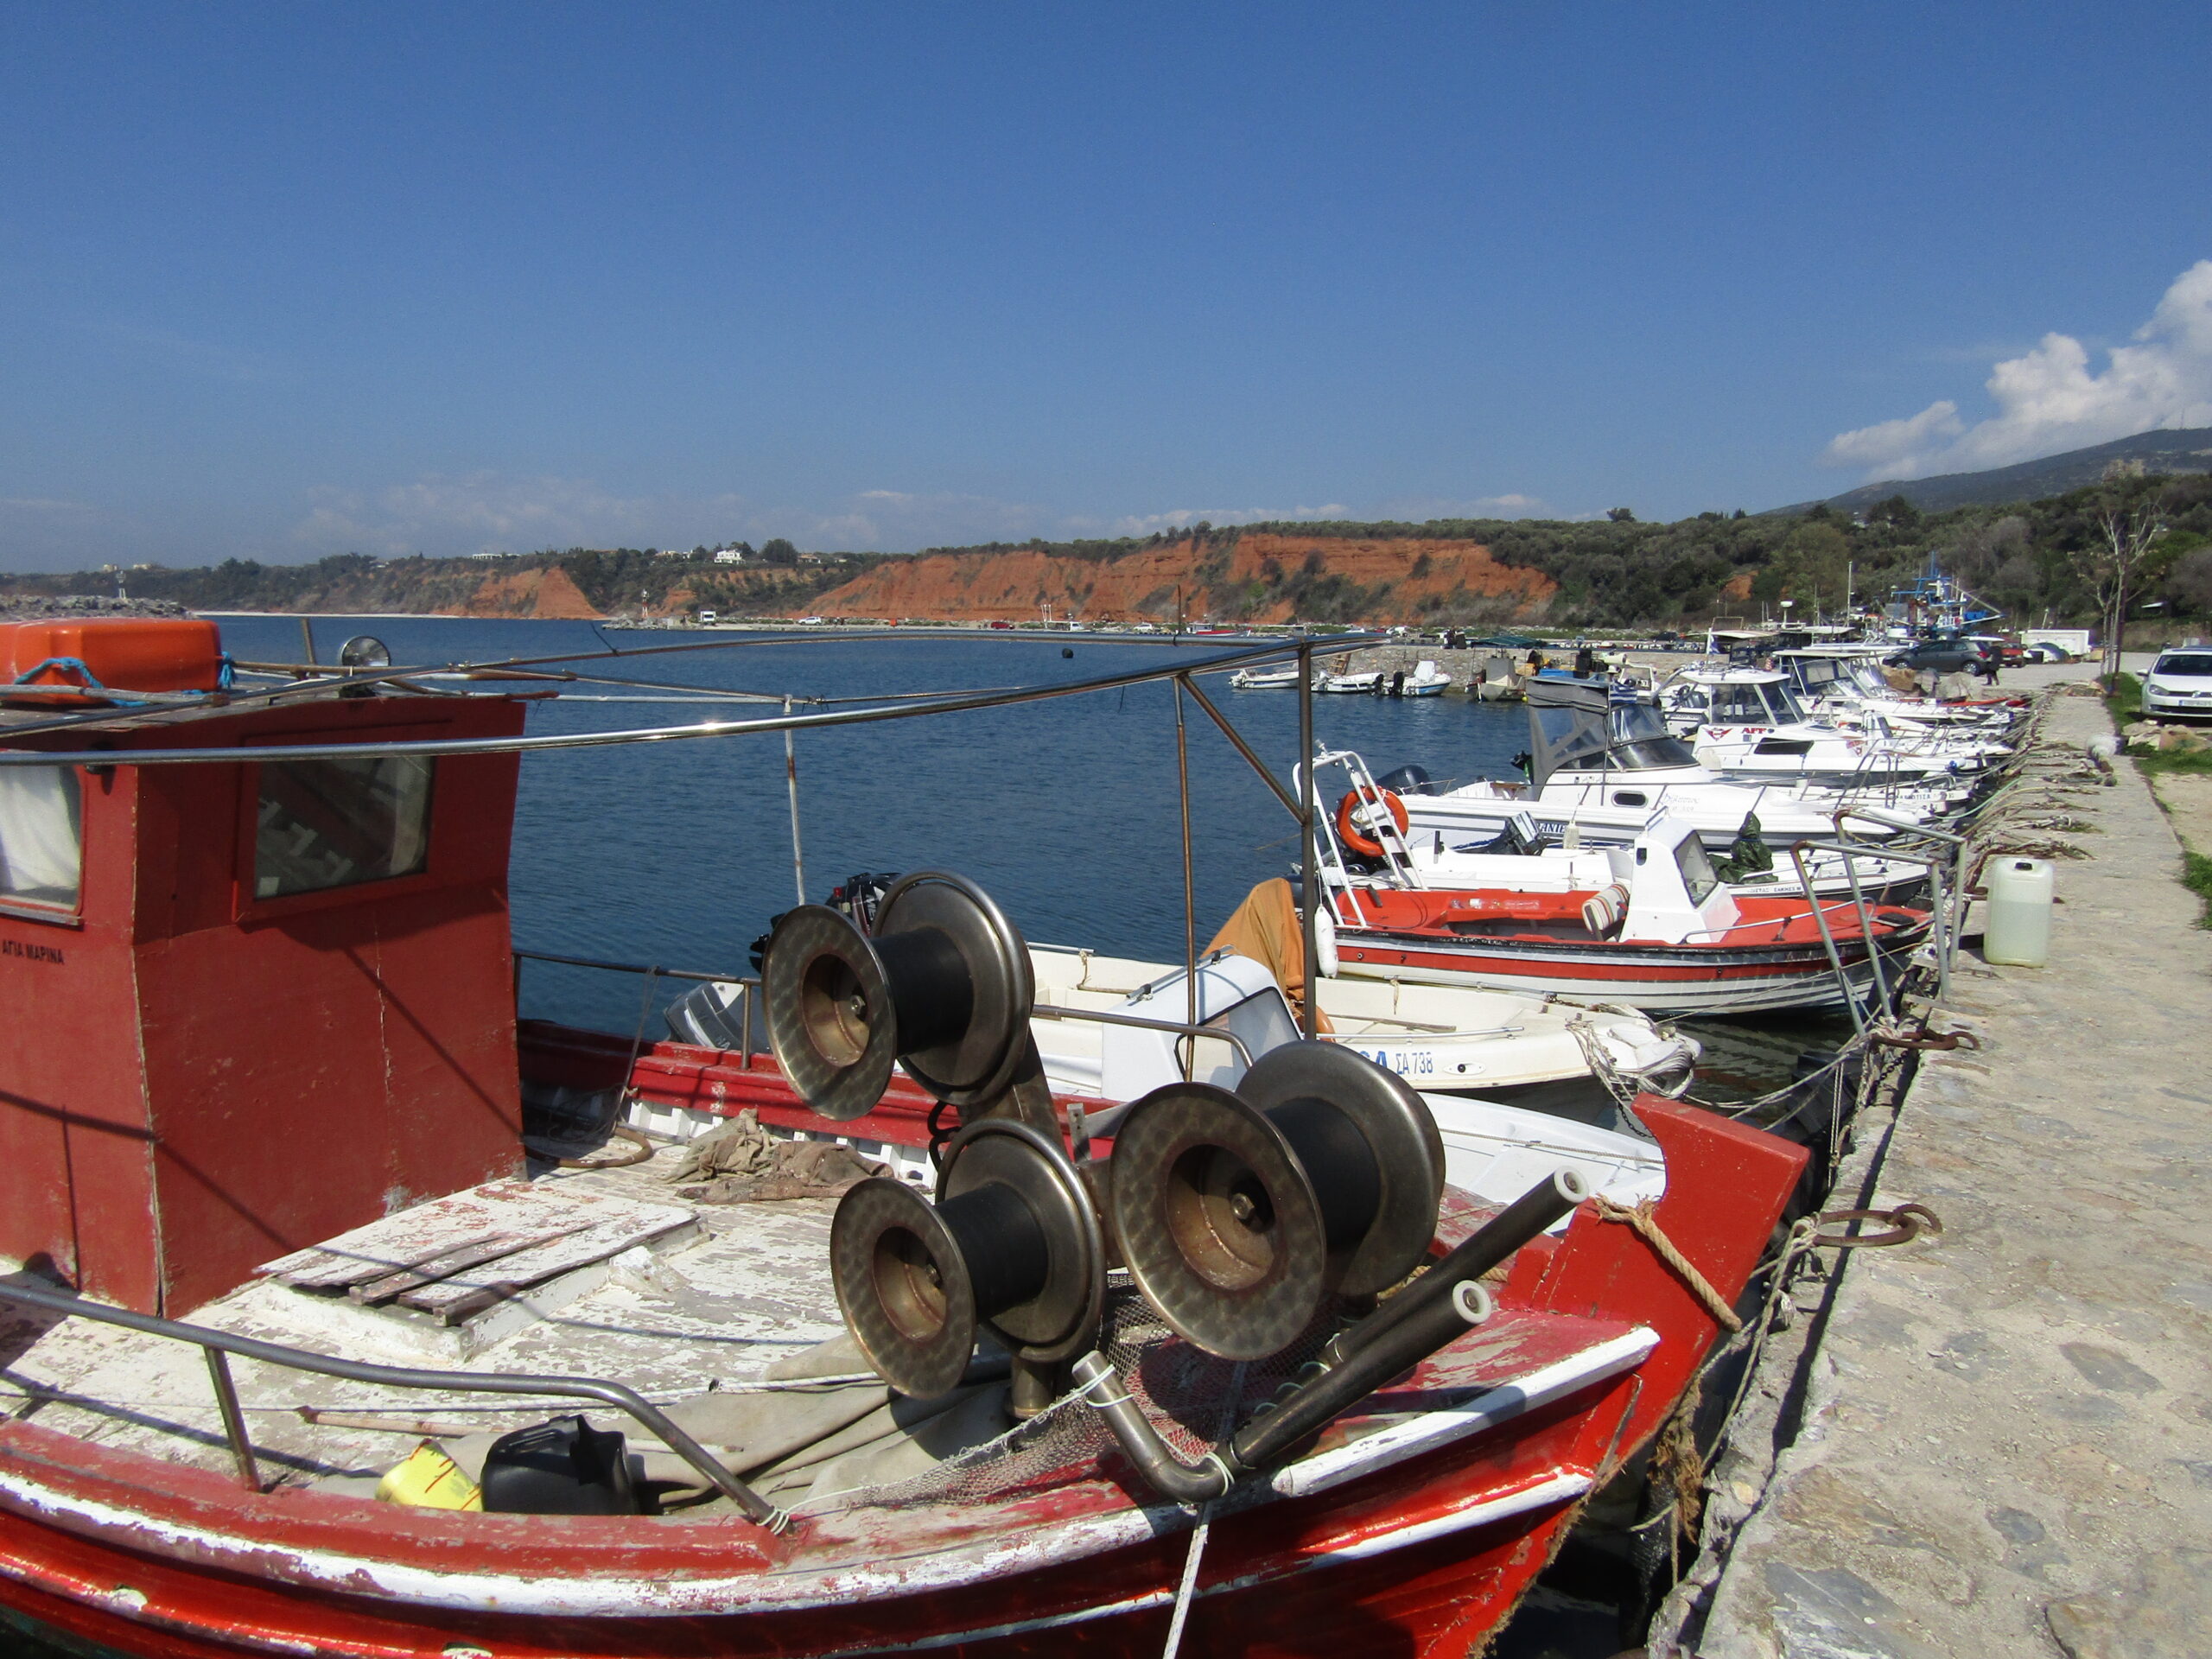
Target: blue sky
{"points": [[281, 281]]}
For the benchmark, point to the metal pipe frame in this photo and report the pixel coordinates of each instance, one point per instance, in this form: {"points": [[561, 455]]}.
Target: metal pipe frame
{"points": [[1309, 859], [1041, 1010], [1939, 910], [1866, 932], [828, 718], [1828, 940], [217, 1344], [1190, 1054], [1180, 1028]]}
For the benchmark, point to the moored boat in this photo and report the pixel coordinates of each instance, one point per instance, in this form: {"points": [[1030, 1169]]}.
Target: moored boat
{"points": [[266, 1001], [1362, 684], [1665, 936]]}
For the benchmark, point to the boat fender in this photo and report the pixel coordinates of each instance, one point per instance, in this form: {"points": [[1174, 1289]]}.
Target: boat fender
{"points": [[1357, 802], [1325, 943], [1604, 911]]}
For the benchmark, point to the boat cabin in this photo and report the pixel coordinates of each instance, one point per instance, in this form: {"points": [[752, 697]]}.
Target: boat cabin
{"points": [[252, 1004], [1731, 696]]}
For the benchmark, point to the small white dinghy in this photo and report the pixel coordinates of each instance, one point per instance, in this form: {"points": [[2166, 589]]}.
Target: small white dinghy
{"points": [[1454, 1039], [1491, 1151], [1265, 679], [1426, 680]]}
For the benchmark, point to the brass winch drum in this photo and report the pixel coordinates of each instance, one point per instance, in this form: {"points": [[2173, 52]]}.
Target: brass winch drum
{"points": [[1238, 1214], [1011, 1247], [942, 987]]}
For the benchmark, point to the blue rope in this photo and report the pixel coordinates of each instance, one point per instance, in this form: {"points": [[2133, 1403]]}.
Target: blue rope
{"points": [[62, 665], [66, 664]]}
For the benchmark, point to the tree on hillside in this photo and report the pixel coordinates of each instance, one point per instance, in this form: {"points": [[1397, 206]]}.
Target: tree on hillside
{"points": [[1809, 567], [2113, 564], [779, 551]]}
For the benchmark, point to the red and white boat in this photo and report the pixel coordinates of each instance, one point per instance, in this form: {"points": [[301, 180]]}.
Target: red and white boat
{"points": [[263, 1175], [1664, 935]]}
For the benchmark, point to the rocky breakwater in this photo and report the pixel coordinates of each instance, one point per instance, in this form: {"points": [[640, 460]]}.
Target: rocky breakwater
{"points": [[41, 607]]}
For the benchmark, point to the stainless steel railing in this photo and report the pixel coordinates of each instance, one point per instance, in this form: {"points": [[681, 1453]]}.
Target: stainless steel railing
{"points": [[217, 1344]]}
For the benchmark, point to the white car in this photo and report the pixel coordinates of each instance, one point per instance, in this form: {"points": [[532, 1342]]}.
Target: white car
{"points": [[2180, 683]]}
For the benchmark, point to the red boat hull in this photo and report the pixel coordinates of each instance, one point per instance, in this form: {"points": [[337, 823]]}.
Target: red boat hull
{"points": [[1426, 1556]]}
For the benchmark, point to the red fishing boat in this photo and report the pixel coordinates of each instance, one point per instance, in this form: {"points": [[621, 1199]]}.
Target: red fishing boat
{"points": [[1255, 1376], [1664, 935]]}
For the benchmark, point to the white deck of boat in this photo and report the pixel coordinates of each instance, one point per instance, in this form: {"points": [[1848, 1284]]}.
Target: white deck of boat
{"points": [[748, 1286]]}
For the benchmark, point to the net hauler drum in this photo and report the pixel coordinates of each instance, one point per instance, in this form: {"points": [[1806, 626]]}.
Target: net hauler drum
{"points": [[1238, 1214], [1012, 1246], [943, 986]]}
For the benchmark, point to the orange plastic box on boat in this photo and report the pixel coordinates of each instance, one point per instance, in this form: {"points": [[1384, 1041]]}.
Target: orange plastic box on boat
{"points": [[118, 653]]}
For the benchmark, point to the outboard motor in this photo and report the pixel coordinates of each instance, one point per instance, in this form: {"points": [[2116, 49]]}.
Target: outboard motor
{"points": [[1519, 838], [1409, 781]]}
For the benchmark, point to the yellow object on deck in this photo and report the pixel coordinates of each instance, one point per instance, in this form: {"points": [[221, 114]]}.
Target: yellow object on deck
{"points": [[429, 1480], [1265, 928]]}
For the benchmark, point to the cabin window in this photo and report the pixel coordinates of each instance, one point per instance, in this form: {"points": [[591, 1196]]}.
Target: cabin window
{"points": [[1629, 797], [334, 823], [41, 836], [1698, 878]]}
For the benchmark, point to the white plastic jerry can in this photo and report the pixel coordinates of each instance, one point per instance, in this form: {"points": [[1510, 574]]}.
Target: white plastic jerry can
{"points": [[2018, 933]]}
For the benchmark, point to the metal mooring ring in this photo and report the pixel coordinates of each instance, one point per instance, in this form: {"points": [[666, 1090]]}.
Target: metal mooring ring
{"points": [[1907, 1221], [1921, 1037]]}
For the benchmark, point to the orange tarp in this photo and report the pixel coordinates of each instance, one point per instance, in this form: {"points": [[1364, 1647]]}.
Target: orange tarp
{"points": [[1265, 928]]}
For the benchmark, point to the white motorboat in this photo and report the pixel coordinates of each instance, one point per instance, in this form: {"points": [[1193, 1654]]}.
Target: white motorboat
{"points": [[1265, 679], [1489, 1145], [1451, 1040], [1372, 847], [1745, 723], [1844, 686], [1598, 778], [1350, 684], [1426, 680]]}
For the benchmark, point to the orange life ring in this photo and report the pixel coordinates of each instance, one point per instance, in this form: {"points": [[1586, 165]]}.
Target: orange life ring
{"points": [[1348, 829]]}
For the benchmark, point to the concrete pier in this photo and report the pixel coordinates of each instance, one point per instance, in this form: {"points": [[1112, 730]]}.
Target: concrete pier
{"points": [[2001, 1442]]}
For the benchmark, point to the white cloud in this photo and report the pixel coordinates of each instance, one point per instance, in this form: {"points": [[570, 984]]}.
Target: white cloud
{"points": [[2049, 399], [1512, 504], [1888, 443], [895, 520], [39, 504], [486, 512], [481, 512]]}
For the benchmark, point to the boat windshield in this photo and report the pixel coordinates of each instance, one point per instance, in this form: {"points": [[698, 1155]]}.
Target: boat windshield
{"points": [[1698, 877], [1815, 674], [1641, 741], [1749, 703]]}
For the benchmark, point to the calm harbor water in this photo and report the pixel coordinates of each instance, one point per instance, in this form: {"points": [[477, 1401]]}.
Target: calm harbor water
{"points": [[679, 854]]}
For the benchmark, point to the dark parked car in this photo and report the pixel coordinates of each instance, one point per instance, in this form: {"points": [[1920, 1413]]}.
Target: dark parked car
{"points": [[1944, 654]]}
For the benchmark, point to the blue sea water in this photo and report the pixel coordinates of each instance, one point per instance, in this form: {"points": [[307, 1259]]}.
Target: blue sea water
{"points": [[1065, 811]]}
